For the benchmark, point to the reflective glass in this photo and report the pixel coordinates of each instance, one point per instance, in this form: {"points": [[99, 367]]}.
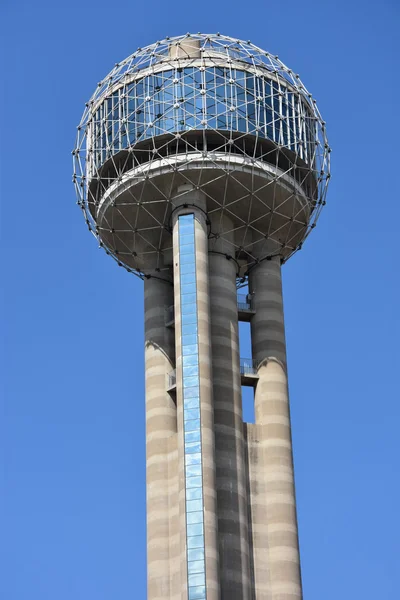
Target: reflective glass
{"points": [[190, 349], [191, 403], [193, 413], [194, 518], [190, 382], [194, 528], [189, 329], [192, 436], [189, 268], [197, 592], [199, 112], [192, 425], [186, 239], [185, 228], [185, 219], [195, 541], [193, 458], [187, 249], [193, 482], [192, 448], [186, 259], [196, 566], [190, 371], [193, 470], [194, 505], [196, 580], [188, 299], [187, 309], [194, 494], [196, 554], [186, 341], [188, 278], [191, 392], [189, 319], [188, 288]]}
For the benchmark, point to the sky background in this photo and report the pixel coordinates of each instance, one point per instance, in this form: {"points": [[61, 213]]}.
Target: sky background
{"points": [[72, 445]]}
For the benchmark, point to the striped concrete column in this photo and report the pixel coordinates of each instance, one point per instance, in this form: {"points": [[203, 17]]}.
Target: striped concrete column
{"points": [[273, 506], [190, 201], [161, 427], [228, 423]]}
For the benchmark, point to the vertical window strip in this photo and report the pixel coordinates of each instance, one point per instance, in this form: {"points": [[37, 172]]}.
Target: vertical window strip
{"points": [[191, 410]]}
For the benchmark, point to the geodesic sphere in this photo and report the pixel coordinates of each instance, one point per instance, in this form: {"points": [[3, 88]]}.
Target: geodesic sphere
{"points": [[207, 112]]}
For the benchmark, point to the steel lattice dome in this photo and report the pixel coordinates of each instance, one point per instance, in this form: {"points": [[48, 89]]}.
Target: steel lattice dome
{"points": [[208, 112]]}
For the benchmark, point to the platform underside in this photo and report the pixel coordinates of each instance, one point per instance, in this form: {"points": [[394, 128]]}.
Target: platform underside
{"points": [[255, 209]]}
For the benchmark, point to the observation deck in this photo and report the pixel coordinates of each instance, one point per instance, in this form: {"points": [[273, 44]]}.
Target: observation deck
{"points": [[209, 112]]}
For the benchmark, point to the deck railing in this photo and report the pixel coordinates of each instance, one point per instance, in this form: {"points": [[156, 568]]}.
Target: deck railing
{"points": [[172, 379], [244, 302], [248, 366]]}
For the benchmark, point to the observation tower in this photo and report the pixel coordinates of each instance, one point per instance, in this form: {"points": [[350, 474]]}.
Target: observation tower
{"points": [[201, 165]]}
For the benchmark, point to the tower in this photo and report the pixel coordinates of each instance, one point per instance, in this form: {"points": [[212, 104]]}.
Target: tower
{"points": [[201, 165]]}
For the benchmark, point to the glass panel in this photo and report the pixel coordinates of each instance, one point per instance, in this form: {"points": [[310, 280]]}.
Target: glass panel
{"points": [[192, 436], [191, 392], [194, 505], [188, 309], [187, 249], [190, 382], [193, 413], [196, 541], [192, 448], [194, 518], [188, 288], [197, 592], [194, 494], [193, 482], [190, 368], [186, 268], [190, 349], [192, 403], [196, 580], [193, 470], [187, 238], [194, 528], [186, 341], [196, 566], [189, 328], [187, 298], [186, 259], [192, 425], [193, 458], [196, 554], [188, 278], [189, 319], [186, 219]]}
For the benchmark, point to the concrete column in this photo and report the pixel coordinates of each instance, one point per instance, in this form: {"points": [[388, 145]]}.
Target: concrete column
{"points": [[190, 201], [161, 427], [228, 424], [273, 505]]}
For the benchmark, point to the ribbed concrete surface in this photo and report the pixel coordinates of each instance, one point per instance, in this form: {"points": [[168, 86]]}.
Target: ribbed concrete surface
{"points": [[228, 422], [271, 479], [161, 426]]}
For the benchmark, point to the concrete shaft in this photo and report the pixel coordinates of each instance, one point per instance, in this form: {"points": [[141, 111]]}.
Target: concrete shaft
{"points": [[273, 507], [195, 202], [161, 427], [228, 423]]}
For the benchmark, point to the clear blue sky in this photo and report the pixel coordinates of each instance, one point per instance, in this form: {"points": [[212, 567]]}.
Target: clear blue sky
{"points": [[72, 419]]}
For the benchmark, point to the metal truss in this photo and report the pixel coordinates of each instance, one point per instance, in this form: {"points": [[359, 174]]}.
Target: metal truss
{"points": [[218, 113]]}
